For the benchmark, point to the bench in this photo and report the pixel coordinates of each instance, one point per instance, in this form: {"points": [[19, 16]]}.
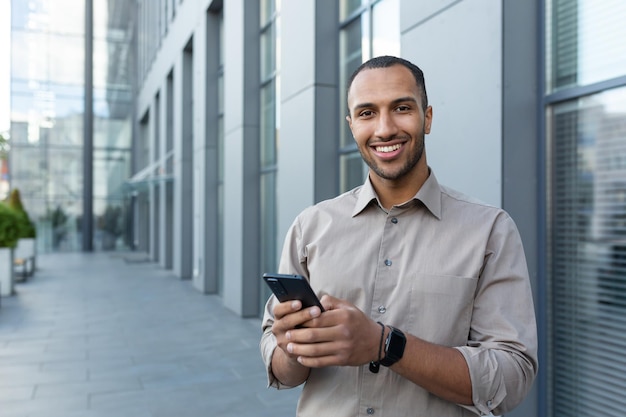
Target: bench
{"points": [[25, 267]]}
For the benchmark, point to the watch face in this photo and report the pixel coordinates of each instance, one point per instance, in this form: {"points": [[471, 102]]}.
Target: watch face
{"points": [[394, 347]]}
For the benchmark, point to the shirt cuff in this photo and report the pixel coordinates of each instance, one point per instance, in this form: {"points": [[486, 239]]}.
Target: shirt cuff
{"points": [[268, 346], [488, 388]]}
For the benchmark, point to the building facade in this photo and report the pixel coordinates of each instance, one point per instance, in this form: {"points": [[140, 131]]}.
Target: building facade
{"points": [[71, 120], [242, 105], [239, 123]]}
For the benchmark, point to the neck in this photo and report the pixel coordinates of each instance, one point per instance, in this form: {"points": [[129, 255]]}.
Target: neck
{"points": [[394, 192]]}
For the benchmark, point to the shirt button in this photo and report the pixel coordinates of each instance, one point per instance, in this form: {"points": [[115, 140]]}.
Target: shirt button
{"points": [[382, 309], [370, 411], [388, 262], [394, 220]]}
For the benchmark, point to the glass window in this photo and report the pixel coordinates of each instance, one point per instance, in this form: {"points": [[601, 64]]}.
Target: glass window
{"points": [[268, 125], [351, 58], [368, 28], [585, 42], [268, 52], [59, 16], [35, 57], [348, 7], [269, 135], [47, 95], [384, 41], [588, 257]]}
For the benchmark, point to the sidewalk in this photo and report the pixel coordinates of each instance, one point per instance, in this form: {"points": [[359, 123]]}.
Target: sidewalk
{"points": [[93, 335]]}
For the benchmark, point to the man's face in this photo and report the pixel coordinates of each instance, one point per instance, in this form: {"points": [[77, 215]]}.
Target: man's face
{"points": [[388, 122]]}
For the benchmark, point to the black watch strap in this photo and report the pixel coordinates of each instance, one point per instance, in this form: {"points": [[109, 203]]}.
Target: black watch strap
{"points": [[394, 347]]}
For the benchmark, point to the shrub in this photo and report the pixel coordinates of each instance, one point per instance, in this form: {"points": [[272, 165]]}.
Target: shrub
{"points": [[25, 225], [9, 229]]}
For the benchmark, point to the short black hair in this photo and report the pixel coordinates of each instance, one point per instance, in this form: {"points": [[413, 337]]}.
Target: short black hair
{"points": [[386, 61]]}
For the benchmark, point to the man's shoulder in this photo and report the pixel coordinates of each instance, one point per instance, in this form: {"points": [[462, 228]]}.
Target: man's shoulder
{"points": [[342, 203], [455, 198]]}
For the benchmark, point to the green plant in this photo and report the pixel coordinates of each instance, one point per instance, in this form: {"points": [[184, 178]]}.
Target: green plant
{"points": [[25, 225], [111, 220], [4, 147], [9, 230]]}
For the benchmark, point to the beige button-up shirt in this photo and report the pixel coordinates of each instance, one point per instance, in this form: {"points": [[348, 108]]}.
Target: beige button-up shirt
{"points": [[443, 267]]}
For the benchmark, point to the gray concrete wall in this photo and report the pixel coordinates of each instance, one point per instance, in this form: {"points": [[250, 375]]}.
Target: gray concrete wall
{"points": [[241, 155], [458, 45]]}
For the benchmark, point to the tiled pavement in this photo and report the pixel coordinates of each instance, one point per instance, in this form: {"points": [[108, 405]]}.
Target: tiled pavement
{"points": [[93, 335]]}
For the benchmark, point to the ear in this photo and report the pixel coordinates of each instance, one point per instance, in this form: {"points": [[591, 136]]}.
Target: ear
{"points": [[428, 119], [349, 120]]}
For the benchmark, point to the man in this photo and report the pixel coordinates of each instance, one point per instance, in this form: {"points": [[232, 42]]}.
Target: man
{"points": [[428, 307]]}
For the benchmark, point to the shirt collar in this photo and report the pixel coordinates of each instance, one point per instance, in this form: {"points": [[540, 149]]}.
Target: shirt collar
{"points": [[429, 194]]}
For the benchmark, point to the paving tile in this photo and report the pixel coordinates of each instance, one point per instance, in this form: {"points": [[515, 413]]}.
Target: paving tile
{"points": [[92, 336], [11, 393], [34, 378], [86, 388], [43, 407]]}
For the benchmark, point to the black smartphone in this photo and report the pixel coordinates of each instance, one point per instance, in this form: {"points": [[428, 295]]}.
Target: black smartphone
{"points": [[292, 287]]}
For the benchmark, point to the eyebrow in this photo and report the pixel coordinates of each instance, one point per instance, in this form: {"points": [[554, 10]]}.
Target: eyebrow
{"points": [[393, 102]]}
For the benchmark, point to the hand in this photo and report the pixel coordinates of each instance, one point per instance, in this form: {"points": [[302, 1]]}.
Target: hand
{"points": [[342, 336], [288, 316]]}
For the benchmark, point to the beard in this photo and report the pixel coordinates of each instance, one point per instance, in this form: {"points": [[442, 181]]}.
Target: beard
{"points": [[411, 162]]}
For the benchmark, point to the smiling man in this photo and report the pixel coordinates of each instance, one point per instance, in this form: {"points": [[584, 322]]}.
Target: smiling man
{"points": [[428, 308]]}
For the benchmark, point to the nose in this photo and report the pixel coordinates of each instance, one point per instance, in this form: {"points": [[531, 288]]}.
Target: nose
{"points": [[386, 126]]}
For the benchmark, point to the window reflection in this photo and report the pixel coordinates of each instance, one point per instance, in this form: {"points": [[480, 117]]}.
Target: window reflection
{"points": [[588, 231], [47, 106], [585, 42], [368, 28]]}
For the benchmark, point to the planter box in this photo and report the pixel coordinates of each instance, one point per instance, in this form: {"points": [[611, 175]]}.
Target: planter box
{"points": [[26, 251], [6, 272]]}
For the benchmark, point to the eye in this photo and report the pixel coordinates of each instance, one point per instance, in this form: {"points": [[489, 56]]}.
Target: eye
{"points": [[403, 108], [365, 113]]}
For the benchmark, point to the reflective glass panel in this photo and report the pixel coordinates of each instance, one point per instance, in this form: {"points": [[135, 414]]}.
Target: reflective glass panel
{"points": [[587, 267], [347, 7], [35, 57], [385, 28], [353, 170], [59, 16], [268, 125], [268, 52], [47, 87], [351, 57], [585, 42]]}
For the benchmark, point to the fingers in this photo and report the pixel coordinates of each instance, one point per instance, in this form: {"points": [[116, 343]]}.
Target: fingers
{"points": [[290, 314], [332, 303], [317, 355]]}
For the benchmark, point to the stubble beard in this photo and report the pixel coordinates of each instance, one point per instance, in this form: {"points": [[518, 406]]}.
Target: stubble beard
{"points": [[413, 160]]}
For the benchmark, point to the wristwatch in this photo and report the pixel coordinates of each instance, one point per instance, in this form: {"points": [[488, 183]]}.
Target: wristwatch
{"points": [[394, 347]]}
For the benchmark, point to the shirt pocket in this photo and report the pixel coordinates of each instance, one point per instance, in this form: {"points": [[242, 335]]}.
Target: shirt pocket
{"points": [[441, 308]]}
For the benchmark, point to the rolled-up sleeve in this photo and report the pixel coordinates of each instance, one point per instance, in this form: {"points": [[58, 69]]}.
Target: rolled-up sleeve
{"points": [[501, 352], [292, 262], [268, 344]]}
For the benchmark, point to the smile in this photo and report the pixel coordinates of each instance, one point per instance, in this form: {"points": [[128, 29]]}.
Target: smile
{"points": [[385, 149]]}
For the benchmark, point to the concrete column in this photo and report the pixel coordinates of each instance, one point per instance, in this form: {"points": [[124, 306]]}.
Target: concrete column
{"points": [[307, 159], [183, 180], [166, 187], [153, 192], [206, 67], [241, 153]]}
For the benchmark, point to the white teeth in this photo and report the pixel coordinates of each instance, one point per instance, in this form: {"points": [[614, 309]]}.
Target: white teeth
{"points": [[387, 148]]}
